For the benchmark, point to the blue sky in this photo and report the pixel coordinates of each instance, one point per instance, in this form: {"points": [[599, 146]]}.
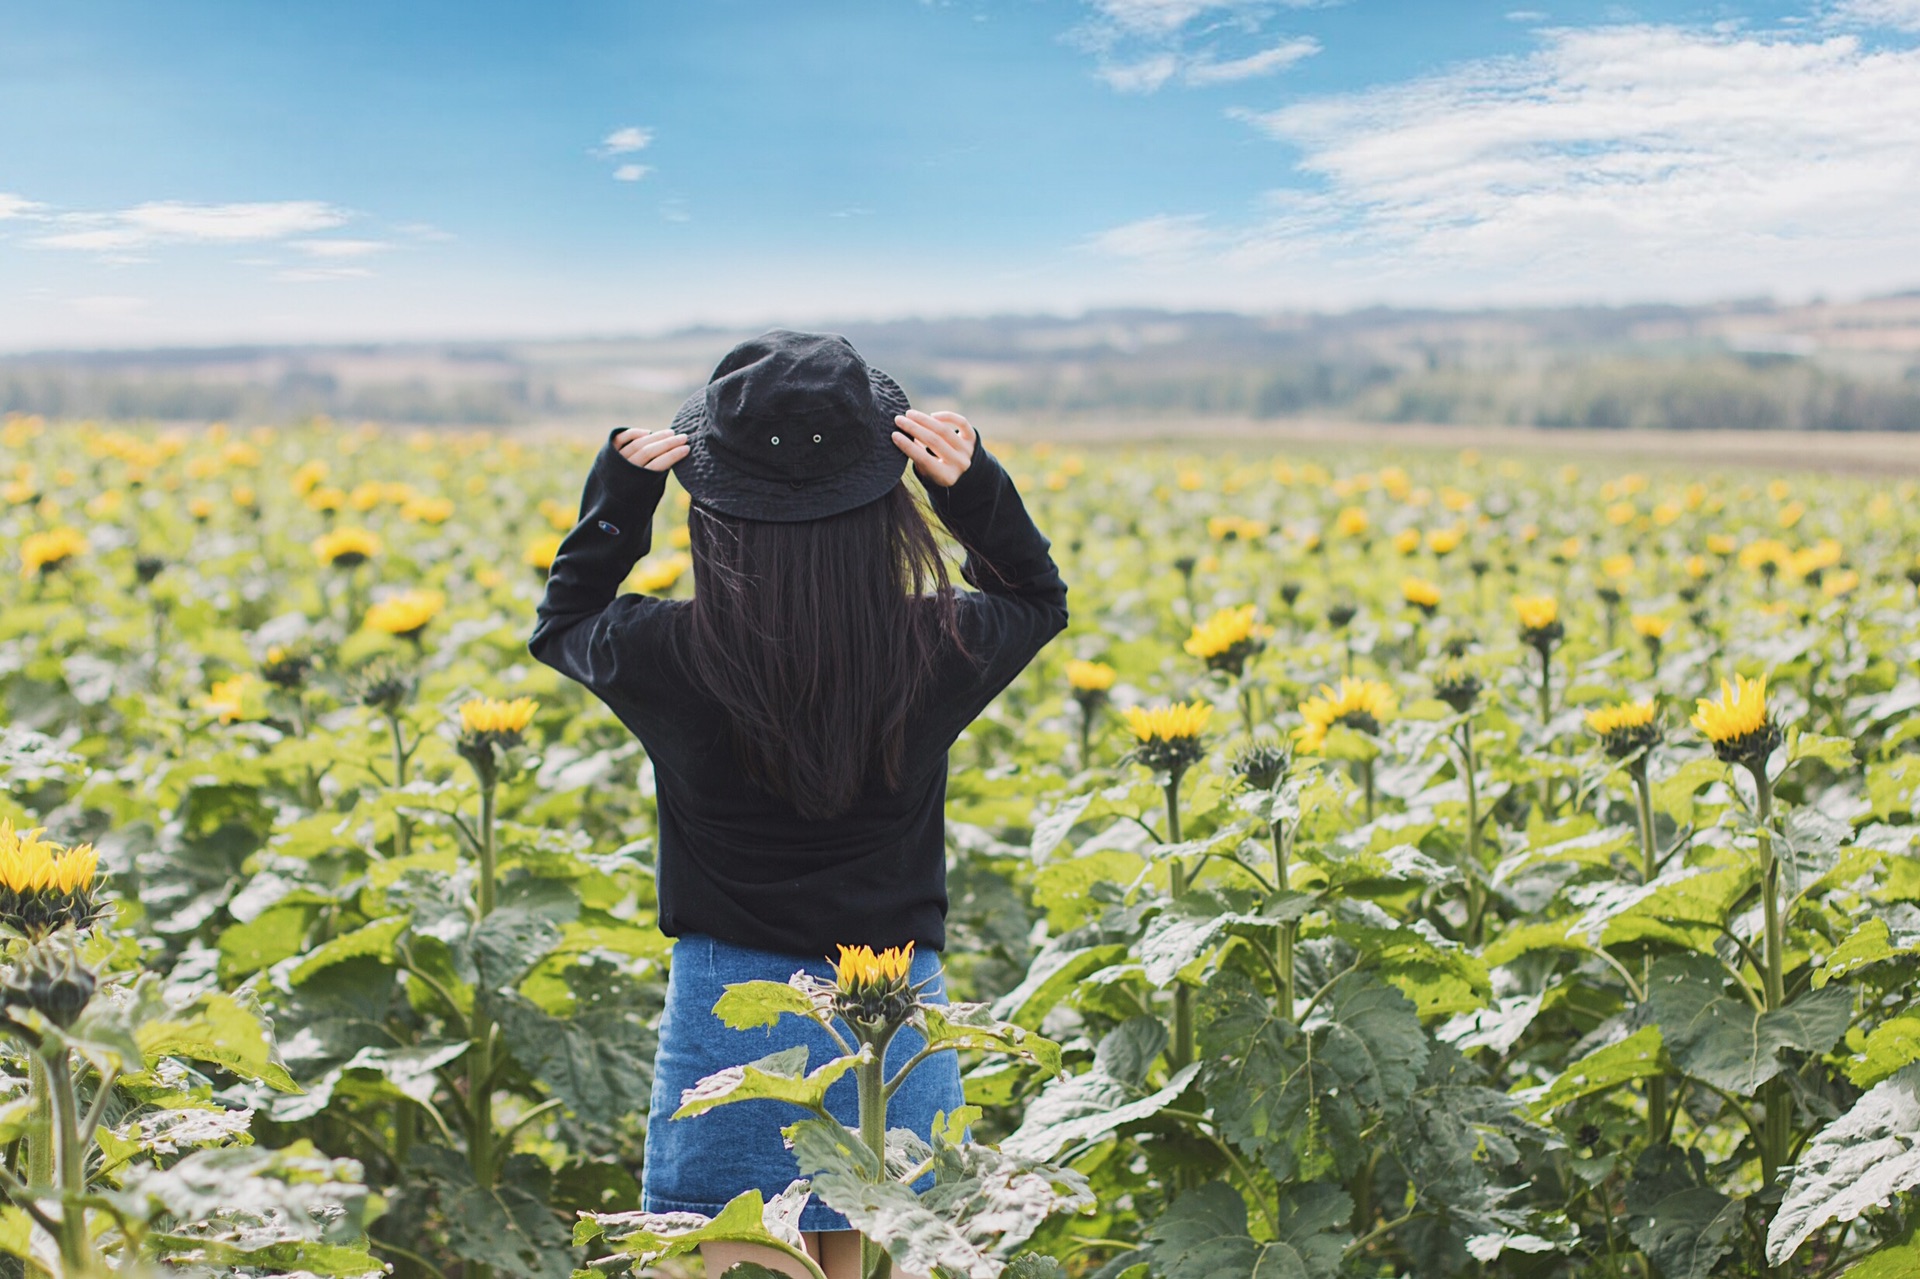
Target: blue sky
{"points": [[207, 172]]}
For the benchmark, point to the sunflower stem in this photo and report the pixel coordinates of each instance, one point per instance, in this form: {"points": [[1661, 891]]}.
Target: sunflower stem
{"points": [[402, 831], [1476, 892], [480, 1152], [70, 1165], [1284, 943], [1649, 871], [1176, 888], [1777, 1136], [870, 1076]]}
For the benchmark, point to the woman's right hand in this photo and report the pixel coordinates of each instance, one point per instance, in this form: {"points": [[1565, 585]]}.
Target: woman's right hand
{"points": [[655, 449]]}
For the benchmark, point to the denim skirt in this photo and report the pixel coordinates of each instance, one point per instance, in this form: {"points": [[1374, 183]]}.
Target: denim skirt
{"points": [[699, 1163]]}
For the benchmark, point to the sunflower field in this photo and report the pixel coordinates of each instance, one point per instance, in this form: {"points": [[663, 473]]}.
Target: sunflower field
{"points": [[1425, 865]]}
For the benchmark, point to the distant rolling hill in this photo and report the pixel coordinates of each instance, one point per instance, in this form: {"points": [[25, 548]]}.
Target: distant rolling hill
{"points": [[1738, 365]]}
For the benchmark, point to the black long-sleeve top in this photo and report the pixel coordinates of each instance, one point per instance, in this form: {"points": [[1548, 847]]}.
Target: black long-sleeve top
{"points": [[734, 861]]}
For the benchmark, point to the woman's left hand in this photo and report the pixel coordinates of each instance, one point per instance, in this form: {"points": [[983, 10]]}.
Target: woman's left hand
{"points": [[940, 444], [655, 450]]}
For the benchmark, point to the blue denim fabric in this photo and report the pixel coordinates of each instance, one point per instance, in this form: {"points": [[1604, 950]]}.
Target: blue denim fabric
{"points": [[698, 1164]]}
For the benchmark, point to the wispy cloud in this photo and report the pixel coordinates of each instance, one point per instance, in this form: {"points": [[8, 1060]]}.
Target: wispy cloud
{"points": [[1163, 237], [334, 250], [174, 222], [15, 206], [625, 141], [1653, 157], [321, 273], [1139, 46], [1265, 62], [1901, 15]]}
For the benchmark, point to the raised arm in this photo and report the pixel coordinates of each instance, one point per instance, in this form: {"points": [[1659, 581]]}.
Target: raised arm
{"points": [[583, 616], [1023, 601]]}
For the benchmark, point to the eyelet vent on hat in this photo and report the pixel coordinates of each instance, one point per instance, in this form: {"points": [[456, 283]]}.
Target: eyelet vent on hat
{"points": [[816, 439], [776, 439]]}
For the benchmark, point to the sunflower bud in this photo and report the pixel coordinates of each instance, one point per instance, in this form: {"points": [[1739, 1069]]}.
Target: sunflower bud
{"points": [[44, 886], [1169, 736], [1625, 729], [386, 686], [286, 667], [1458, 687], [50, 979], [874, 989], [1263, 765]]}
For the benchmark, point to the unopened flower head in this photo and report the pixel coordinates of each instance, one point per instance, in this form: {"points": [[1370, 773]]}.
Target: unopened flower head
{"points": [[874, 988], [503, 721], [346, 547], [286, 667], [1625, 727], [405, 615], [1169, 736], [44, 885], [1362, 705], [1421, 593], [385, 685], [1738, 723], [1227, 639], [1457, 686], [46, 552], [1651, 626], [1540, 624], [50, 978], [1263, 765], [1089, 677]]}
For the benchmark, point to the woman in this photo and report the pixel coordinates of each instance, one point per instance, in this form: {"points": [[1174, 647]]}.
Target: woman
{"points": [[798, 711]]}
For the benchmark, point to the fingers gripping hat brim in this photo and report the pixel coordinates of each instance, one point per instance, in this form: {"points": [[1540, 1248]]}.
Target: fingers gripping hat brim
{"points": [[712, 481]]}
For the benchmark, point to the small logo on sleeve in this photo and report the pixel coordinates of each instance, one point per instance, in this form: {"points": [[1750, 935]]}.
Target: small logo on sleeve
{"points": [[608, 528]]}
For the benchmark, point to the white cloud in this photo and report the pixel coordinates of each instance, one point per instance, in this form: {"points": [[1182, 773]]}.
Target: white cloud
{"points": [[316, 274], [15, 206], [174, 222], [1162, 237], [332, 250], [1204, 71], [1201, 70], [1660, 159], [1141, 45], [631, 172], [626, 140], [1902, 15], [1166, 17], [1143, 76]]}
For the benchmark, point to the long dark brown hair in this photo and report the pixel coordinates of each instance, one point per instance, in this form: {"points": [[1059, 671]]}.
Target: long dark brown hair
{"points": [[820, 637]]}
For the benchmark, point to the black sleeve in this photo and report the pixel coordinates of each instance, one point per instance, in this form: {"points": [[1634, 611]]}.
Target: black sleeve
{"points": [[585, 626], [1022, 601]]}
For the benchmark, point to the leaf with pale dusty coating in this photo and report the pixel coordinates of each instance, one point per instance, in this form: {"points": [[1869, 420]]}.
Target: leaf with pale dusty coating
{"points": [[1859, 1161]]}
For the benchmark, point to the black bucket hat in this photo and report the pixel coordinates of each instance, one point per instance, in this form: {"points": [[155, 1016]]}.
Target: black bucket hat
{"points": [[791, 426]]}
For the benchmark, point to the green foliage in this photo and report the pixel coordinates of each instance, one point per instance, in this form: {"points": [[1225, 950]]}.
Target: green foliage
{"points": [[1444, 1000]]}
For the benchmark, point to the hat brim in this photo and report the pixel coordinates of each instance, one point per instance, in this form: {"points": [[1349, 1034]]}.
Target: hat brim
{"points": [[712, 482]]}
